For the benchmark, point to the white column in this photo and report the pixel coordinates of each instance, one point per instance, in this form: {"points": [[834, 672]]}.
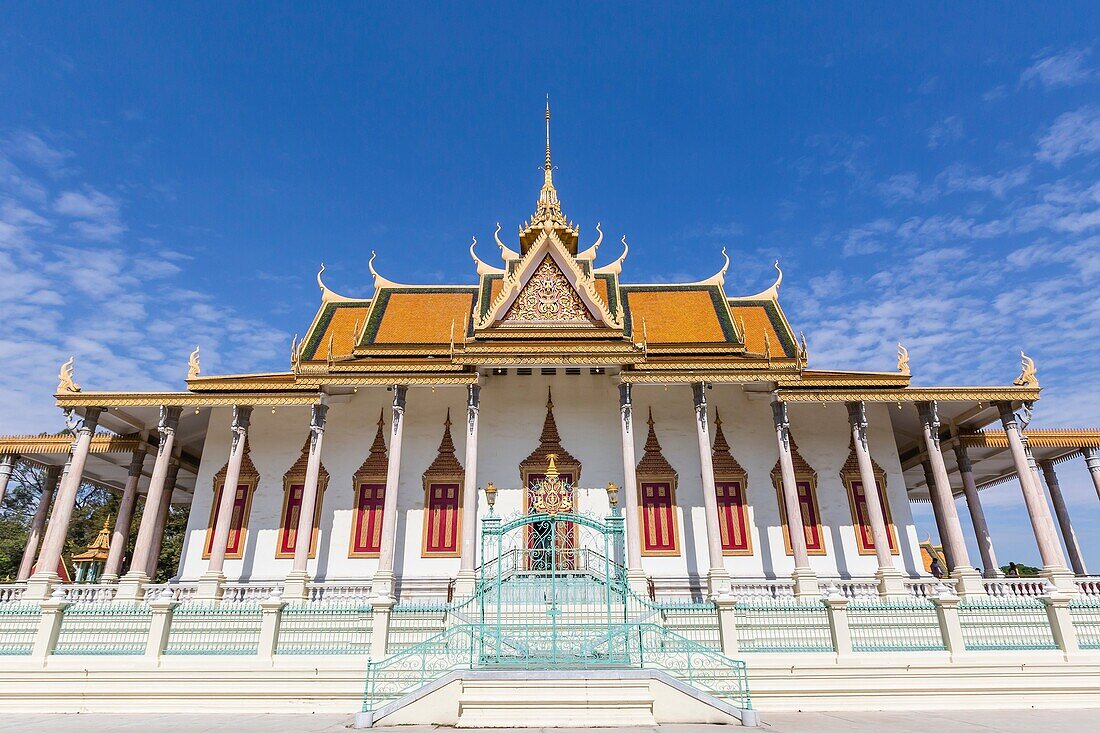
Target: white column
{"points": [[383, 585], [166, 430], [7, 464], [298, 578], [1092, 461], [636, 577], [162, 520], [805, 580], [121, 535], [718, 578], [467, 577], [951, 535], [38, 523], [46, 571], [977, 515], [1073, 547], [889, 579], [210, 584], [1042, 524]]}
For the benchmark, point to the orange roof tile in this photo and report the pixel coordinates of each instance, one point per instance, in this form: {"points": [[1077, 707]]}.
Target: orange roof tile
{"points": [[424, 317], [756, 322], [341, 327], [675, 316]]}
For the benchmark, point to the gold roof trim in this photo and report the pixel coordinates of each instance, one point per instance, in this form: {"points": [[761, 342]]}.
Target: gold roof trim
{"points": [[1050, 438], [912, 394], [390, 379], [62, 444], [185, 399]]}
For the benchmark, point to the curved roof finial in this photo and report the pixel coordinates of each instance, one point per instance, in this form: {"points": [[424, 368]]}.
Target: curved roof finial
{"points": [[506, 254], [773, 291], [590, 253], [616, 267]]}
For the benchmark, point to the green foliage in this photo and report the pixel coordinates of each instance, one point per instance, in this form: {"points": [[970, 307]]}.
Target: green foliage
{"points": [[1025, 571], [94, 505]]}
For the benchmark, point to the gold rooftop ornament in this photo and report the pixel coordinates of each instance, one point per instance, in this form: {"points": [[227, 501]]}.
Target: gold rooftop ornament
{"points": [[551, 496], [903, 359], [65, 381], [1028, 377], [193, 364]]}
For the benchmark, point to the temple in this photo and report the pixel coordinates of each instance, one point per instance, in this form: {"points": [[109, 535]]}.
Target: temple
{"points": [[651, 439]]}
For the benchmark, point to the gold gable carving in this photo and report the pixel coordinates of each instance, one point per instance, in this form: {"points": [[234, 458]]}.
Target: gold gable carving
{"points": [[548, 297]]}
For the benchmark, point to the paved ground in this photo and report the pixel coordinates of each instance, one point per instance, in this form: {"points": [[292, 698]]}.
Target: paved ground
{"points": [[984, 721]]}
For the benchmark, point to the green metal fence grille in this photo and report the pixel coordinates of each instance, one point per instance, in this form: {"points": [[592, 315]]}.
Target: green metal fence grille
{"points": [[325, 628], [18, 627], [782, 626], [215, 628], [1085, 613], [694, 619], [1005, 624], [104, 628], [886, 626], [415, 622]]}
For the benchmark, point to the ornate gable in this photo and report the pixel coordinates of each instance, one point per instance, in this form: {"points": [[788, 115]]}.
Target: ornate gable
{"points": [[445, 465], [548, 298], [653, 461], [725, 465], [377, 463]]}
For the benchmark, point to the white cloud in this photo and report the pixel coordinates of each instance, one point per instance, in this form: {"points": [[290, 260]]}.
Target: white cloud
{"points": [[947, 130], [1064, 69], [1072, 134], [76, 284]]}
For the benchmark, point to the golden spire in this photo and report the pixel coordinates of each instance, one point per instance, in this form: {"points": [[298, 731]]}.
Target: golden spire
{"points": [[548, 210]]}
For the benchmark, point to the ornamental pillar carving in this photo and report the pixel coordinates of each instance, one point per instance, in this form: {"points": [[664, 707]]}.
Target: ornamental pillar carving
{"points": [[805, 580], [635, 574], [308, 511], [1054, 563], [121, 535], [166, 430], [468, 561], [977, 515], [958, 557], [38, 523], [46, 570], [210, 584], [1092, 461], [7, 465], [383, 577], [718, 578], [1073, 547]]}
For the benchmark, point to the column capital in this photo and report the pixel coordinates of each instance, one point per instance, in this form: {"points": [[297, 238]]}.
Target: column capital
{"points": [[625, 404], [930, 416], [963, 458], [399, 393], [83, 423], [169, 418], [699, 394], [137, 461], [780, 416], [317, 418], [1092, 458], [7, 460], [242, 416]]}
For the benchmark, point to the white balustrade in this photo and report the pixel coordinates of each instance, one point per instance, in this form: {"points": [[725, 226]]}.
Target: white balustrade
{"points": [[179, 592], [1016, 587], [762, 589], [338, 591], [853, 589], [1088, 585], [87, 592], [236, 592], [10, 592], [923, 587]]}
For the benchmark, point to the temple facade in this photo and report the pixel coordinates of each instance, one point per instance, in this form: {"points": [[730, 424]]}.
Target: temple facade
{"points": [[409, 423]]}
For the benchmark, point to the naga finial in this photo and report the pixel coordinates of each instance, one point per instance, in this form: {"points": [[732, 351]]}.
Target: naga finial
{"points": [[65, 381], [193, 364], [1028, 377], [903, 359]]}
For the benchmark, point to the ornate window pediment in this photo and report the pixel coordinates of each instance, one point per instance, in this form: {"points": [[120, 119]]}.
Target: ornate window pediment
{"points": [[857, 501], [369, 486], [731, 487], [657, 499], [294, 484], [443, 500]]}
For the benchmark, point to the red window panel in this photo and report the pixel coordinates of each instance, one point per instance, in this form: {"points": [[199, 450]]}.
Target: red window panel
{"points": [[811, 522], [658, 518], [733, 518], [866, 539], [234, 547], [366, 538], [441, 528], [288, 528]]}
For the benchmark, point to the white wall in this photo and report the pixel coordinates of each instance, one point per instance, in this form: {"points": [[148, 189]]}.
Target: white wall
{"points": [[512, 411]]}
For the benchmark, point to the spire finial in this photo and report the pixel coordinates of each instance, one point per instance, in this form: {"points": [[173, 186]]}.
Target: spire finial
{"points": [[549, 165], [548, 209]]}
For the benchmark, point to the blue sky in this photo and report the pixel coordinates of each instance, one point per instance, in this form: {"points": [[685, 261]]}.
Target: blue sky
{"points": [[173, 176]]}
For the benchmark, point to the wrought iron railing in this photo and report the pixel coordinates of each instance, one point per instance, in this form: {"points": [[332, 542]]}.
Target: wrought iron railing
{"points": [[642, 646], [329, 627], [790, 625], [104, 628], [215, 628], [1005, 624], [18, 627], [901, 625], [1085, 613]]}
